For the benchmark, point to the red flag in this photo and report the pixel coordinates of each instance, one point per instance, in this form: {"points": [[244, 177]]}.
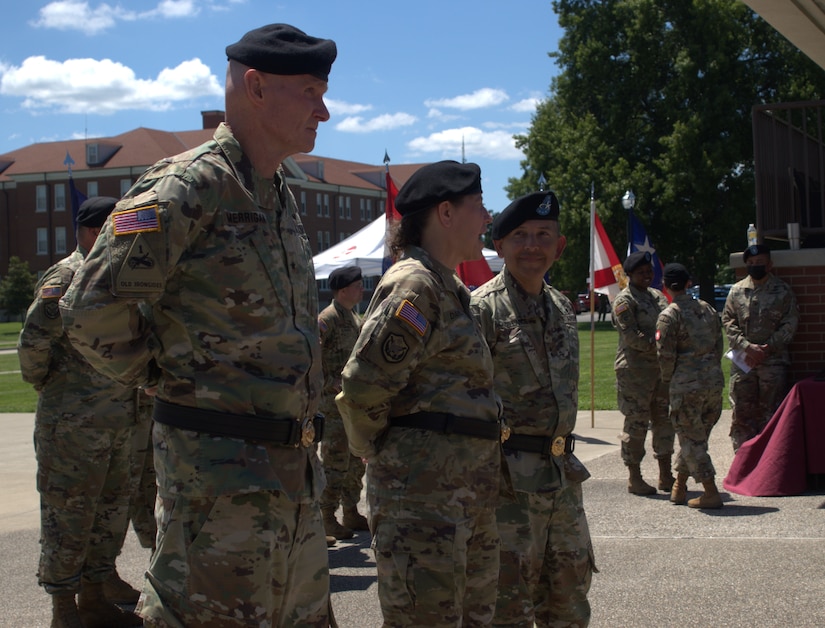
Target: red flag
{"points": [[392, 217], [474, 273], [608, 275]]}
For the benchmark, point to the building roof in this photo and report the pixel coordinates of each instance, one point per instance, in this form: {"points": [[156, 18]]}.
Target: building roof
{"points": [[802, 22]]}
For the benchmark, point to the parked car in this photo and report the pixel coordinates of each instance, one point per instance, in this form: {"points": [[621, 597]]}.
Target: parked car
{"points": [[720, 295], [583, 299]]}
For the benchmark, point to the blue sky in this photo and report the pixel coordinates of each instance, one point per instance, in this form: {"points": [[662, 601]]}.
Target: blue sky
{"points": [[413, 78]]}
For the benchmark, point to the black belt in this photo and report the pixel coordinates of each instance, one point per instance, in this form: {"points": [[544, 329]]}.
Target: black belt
{"points": [[246, 426], [446, 423], [544, 445]]}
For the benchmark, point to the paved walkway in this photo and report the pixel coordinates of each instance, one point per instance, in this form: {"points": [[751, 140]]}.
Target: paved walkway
{"points": [[756, 562]]}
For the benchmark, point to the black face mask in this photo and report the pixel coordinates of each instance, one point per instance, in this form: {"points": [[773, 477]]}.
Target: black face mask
{"points": [[757, 271]]}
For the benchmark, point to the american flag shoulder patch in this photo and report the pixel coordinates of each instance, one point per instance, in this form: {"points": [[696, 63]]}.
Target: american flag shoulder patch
{"points": [[51, 292], [408, 313], [137, 220]]}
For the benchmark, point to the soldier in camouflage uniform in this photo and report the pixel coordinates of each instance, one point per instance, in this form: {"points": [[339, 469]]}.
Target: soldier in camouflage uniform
{"points": [[642, 395], [82, 434], [760, 319], [546, 551], [418, 403], [211, 242], [144, 492], [339, 327], [689, 345]]}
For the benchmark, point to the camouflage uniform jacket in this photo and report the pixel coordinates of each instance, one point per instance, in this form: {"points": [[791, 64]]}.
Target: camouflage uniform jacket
{"points": [[219, 255], [536, 366], [69, 388], [765, 314], [339, 329], [420, 350], [634, 315], [689, 343]]}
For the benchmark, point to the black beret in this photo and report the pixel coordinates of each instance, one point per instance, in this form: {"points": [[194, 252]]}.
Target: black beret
{"points": [[634, 260], [433, 183], [283, 49], [343, 277], [535, 206], [756, 249], [93, 211], [676, 275]]}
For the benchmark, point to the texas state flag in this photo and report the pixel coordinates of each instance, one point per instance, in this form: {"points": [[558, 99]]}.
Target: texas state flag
{"points": [[640, 242]]}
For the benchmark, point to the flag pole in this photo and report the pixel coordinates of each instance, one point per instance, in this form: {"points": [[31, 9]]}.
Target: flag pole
{"points": [[592, 294]]}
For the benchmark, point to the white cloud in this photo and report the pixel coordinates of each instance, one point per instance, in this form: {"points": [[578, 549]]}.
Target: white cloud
{"points": [[341, 108], [527, 105], [385, 122], [489, 144], [79, 16], [479, 99], [104, 86]]}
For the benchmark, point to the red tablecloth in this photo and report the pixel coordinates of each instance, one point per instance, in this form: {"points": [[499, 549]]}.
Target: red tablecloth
{"points": [[792, 445]]}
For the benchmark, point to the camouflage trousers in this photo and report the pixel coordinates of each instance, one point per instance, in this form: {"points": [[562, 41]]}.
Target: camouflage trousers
{"points": [[344, 472], [144, 481], [435, 568], [643, 400], [694, 415], [754, 397], [83, 480], [246, 559], [546, 560]]}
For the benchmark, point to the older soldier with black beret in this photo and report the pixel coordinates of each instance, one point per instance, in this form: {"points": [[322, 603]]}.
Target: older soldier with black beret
{"points": [[418, 403], [642, 396], [210, 242], [689, 346], [339, 326], [546, 551], [760, 319], [83, 430]]}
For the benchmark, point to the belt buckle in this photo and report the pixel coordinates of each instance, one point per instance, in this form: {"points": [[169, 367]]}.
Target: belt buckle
{"points": [[505, 431], [558, 446], [307, 432]]}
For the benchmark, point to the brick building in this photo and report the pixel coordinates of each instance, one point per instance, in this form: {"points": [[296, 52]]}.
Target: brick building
{"points": [[336, 197]]}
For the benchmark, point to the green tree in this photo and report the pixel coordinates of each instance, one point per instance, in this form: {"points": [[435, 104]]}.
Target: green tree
{"points": [[656, 96], [17, 288]]}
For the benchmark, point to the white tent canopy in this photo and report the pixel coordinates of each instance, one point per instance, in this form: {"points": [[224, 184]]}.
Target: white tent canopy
{"points": [[365, 248]]}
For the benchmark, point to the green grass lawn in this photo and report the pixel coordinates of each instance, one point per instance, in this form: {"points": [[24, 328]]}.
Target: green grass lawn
{"points": [[18, 396]]}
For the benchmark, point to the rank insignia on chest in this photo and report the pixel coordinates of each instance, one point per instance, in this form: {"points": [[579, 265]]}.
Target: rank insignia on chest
{"points": [[137, 220], [408, 313]]}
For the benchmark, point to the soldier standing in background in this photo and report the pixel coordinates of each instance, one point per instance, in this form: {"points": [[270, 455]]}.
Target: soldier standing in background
{"points": [[642, 395], [82, 439], [418, 404], [546, 552], [689, 345], [760, 319], [339, 326], [211, 243]]}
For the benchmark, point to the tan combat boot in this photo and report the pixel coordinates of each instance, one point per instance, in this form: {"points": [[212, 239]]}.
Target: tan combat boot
{"points": [[354, 520], [64, 611], [678, 493], [330, 540], [635, 483], [333, 528], [98, 612], [666, 478], [709, 499], [119, 591]]}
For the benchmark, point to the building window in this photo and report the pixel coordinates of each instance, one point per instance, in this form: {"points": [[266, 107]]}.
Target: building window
{"points": [[340, 207], [369, 210], [91, 189], [320, 241], [91, 154], [349, 208], [59, 198], [303, 203], [42, 241], [125, 184], [326, 205], [318, 204], [363, 207], [327, 241], [60, 239], [41, 201]]}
